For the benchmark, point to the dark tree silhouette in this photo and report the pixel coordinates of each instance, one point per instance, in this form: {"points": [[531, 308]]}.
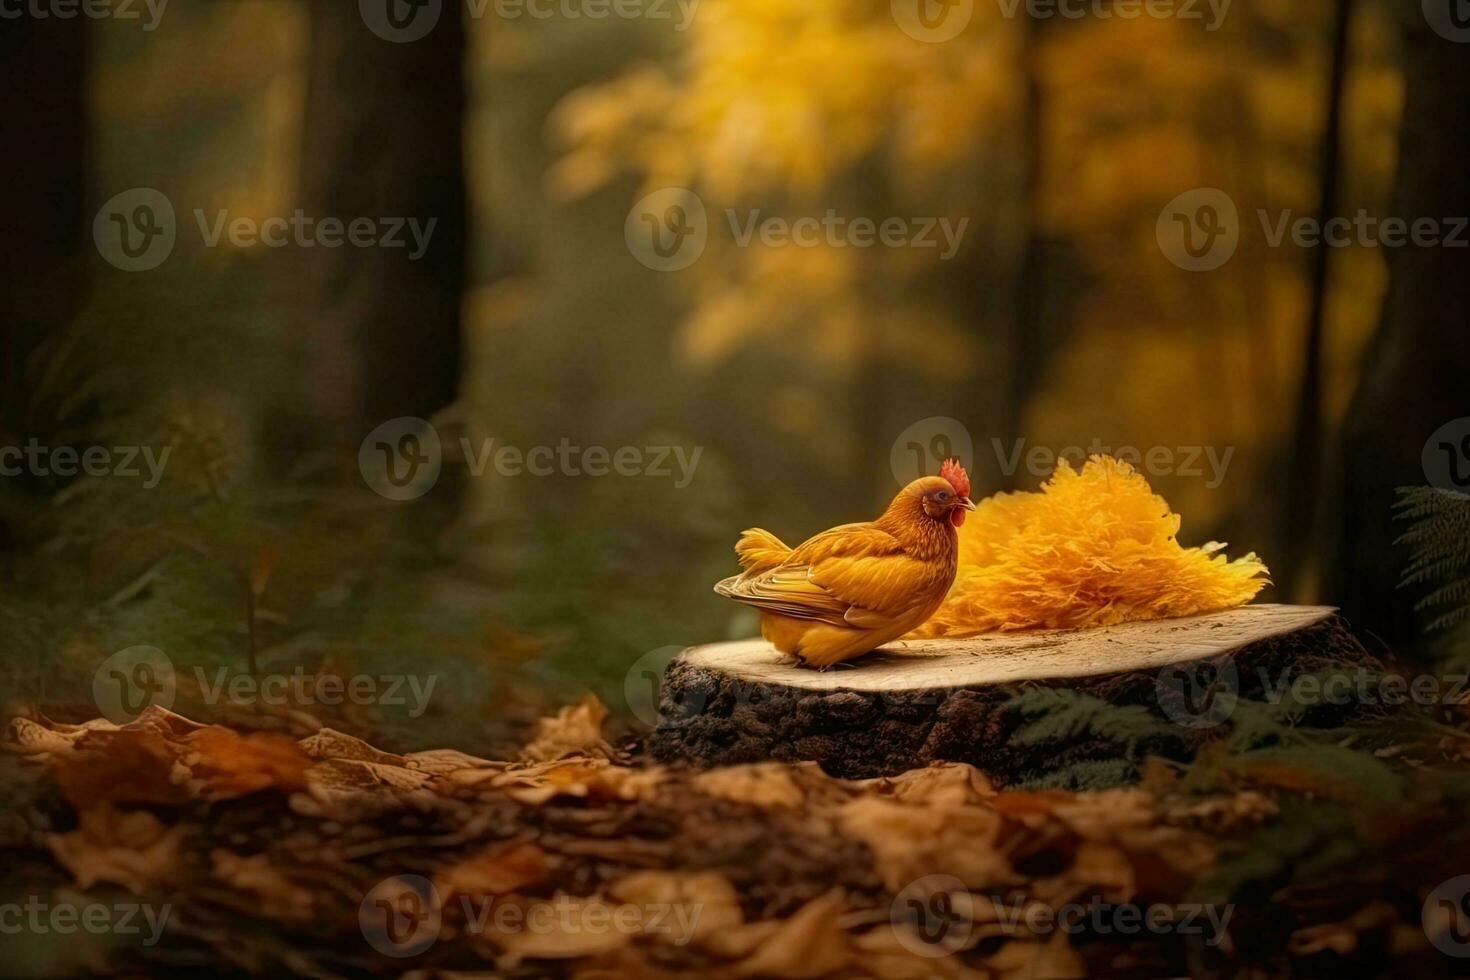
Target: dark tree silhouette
{"points": [[44, 250], [384, 138], [1415, 373], [45, 247], [1028, 337], [1301, 513]]}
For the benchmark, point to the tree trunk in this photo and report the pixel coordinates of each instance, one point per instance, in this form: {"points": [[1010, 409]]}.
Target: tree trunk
{"points": [[383, 140], [1299, 532], [1028, 325], [923, 701], [1414, 374], [46, 245]]}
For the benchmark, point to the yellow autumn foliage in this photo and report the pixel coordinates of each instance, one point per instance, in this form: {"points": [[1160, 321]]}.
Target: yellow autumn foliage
{"points": [[1093, 547], [788, 95]]}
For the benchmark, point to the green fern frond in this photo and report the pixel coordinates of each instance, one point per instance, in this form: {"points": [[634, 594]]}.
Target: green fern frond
{"points": [[1307, 836], [1439, 539], [1256, 723], [1456, 592], [1363, 775], [1432, 502], [1450, 619], [1063, 715], [1081, 777], [1420, 572]]}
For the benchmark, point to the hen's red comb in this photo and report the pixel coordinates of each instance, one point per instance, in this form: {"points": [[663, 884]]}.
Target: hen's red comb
{"points": [[952, 471]]}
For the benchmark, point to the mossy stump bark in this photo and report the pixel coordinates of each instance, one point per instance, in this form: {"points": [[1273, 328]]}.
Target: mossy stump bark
{"points": [[922, 701]]}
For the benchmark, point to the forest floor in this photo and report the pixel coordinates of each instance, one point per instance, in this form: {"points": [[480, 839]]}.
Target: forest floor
{"points": [[321, 855]]}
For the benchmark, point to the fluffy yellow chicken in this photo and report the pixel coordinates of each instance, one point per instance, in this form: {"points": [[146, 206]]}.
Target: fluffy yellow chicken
{"points": [[853, 588]]}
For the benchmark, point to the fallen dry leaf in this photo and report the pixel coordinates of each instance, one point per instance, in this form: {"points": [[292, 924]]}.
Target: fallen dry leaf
{"points": [[230, 764], [733, 850], [130, 848], [582, 927], [765, 784], [1103, 869], [574, 729], [809, 944], [709, 894], [351, 790], [328, 743], [1342, 937], [893, 952], [909, 842], [1054, 959], [254, 874], [122, 766], [496, 870], [582, 778], [942, 784]]}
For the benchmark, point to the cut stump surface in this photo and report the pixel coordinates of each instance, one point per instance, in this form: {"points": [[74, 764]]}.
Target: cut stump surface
{"points": [[920, 701]]}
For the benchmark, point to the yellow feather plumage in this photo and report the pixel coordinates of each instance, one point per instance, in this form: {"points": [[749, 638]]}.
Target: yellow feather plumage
{"points": [[1092, 548]]}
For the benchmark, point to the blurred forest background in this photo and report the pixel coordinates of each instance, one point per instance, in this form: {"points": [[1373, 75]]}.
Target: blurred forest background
{"points": [[1060, 320]]}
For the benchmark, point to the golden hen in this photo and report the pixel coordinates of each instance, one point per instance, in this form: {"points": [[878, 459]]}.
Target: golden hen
{"points": [[855, 587]]}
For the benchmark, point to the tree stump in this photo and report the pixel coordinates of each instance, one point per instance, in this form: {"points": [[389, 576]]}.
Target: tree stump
{"points": [[918, 701]]}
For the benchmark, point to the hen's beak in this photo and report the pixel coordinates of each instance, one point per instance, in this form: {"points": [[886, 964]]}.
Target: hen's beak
{"points": [[967, 503]]}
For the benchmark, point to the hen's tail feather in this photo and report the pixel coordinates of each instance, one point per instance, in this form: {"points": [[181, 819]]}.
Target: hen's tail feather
{"points": [[760, 550]]}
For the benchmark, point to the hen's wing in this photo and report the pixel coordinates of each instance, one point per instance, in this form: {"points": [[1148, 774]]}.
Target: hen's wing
{"points": [[856, 575]]}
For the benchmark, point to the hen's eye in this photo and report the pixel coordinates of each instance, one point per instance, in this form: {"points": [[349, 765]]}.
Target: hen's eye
{"points": [[942, 496]]}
